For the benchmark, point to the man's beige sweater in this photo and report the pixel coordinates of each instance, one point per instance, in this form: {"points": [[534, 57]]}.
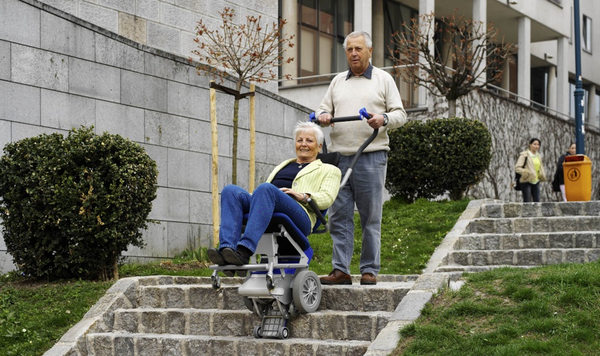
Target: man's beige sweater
{"points": [[379, 95]]}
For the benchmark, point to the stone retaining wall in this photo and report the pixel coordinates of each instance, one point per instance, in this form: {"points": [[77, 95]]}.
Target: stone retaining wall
{"points": [[58, 71]]}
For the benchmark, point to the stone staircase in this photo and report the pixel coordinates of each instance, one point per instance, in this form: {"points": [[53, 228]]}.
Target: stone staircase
{"points": [[164, 315], [526, 235]]}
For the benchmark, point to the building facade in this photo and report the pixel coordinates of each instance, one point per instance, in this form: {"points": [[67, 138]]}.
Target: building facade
{"points": [[541, 73]]}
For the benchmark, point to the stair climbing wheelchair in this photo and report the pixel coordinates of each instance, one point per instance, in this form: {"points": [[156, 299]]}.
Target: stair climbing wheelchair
{"points": [[278, 284]]}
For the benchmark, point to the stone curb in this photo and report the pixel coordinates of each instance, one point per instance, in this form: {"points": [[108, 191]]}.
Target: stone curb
{"points": [[99, 318], [447, 245], [407, 311]]}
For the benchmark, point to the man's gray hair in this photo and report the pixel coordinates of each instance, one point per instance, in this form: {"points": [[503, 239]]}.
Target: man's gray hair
{"points": [[365, 35], [303, 126]]}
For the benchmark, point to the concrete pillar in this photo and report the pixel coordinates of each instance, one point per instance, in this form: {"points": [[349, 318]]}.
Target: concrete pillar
{"points": [[378, 35], [480, 15], [289, 12], [524, 60], [425, 7], [562, 76], [362, 16], [551, 88]]}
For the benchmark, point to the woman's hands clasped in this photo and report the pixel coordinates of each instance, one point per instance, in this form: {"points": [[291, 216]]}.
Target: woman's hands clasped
{"points": [[301, 197]]}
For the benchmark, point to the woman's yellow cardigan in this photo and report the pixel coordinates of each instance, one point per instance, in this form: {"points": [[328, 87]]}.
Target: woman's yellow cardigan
{"points": [[320, 180]]}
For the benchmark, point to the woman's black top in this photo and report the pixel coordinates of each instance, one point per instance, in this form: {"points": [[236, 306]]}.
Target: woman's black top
{"points": [[285, 177]]}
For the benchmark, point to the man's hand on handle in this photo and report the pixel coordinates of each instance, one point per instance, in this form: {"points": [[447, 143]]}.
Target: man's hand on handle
{"points": [[325, 119], [376, 121]]}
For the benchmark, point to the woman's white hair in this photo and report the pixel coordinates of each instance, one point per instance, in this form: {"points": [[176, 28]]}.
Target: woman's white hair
{"points": [[303, 126]]}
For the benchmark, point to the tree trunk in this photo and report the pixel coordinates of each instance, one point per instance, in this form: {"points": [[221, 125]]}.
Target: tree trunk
{"points": [[234, 146], [116, 270], [451, 108]]}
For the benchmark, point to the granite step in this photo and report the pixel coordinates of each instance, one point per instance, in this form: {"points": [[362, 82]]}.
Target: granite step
{"points": [[522, 257], [323, 325], [143, 344], [536, 240], [171, 315], [533, 224], [383, 296], [513, 210]]}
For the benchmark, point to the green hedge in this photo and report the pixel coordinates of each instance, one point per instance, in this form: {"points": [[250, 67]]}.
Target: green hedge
{"points": [[71, 205], [436, 157]]}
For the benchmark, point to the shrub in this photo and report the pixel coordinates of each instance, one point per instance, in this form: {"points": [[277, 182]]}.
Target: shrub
{"points": [[71, 205], [436, 157]]}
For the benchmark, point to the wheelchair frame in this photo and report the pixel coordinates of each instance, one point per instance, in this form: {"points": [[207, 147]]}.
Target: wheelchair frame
{"points": [[280, 285]]}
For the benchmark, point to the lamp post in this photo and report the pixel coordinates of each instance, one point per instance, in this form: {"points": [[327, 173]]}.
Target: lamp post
{"points": [[578, 95]]}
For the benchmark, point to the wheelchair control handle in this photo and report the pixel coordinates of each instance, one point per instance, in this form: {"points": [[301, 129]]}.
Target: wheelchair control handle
{"points": [[362, 113]]}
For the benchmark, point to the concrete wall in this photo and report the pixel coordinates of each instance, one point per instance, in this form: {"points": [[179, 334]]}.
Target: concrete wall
{"points": [[168, 25], [58, 72]]}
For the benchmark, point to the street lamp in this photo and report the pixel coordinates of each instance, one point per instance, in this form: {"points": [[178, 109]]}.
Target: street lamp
{"points": [[578, 95]]}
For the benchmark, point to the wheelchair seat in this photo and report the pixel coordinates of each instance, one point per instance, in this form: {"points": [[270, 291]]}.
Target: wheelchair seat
{"points": [[278, 284]]}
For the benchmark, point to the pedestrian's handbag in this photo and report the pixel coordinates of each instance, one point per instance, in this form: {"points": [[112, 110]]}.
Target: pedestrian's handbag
{"points": [[518, 177]]}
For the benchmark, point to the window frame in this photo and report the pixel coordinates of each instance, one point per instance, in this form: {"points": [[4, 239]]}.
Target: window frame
{"points": [[586, 33]]}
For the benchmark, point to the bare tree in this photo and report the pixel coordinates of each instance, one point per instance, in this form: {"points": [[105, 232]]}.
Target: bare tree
{"points": [[467, 55], [245, 52]]}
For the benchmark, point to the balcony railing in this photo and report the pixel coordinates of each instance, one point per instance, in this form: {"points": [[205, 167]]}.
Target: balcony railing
{"points": [[412, 102]]}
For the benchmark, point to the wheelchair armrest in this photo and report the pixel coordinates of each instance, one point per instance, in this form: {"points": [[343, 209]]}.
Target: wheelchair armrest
{"points": [[320, 218]]}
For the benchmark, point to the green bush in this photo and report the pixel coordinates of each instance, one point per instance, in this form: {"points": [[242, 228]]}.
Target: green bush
{"points": [[71, 205], [436, 157]]}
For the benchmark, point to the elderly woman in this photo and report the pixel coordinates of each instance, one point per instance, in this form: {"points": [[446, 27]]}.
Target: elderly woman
{"points": [[287, 190]]}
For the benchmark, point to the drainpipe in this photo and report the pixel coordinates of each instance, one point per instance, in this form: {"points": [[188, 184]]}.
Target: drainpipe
{"points": [[578, 95]]}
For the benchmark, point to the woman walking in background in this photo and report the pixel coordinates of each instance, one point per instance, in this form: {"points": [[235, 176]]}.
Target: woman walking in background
{"points": [[558, 185], [530, 167]]}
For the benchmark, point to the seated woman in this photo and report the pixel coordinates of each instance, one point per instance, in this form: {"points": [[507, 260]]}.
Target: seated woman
{"points": [[287, 190]]}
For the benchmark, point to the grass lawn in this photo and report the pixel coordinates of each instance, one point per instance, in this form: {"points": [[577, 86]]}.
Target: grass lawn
{"points": [[552, 310]]}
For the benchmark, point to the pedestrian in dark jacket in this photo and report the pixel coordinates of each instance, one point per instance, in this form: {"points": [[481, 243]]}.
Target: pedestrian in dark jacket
{"points": [[558, 184]]}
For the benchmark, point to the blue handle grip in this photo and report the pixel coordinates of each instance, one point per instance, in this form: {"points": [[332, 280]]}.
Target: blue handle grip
{"points": [[362, 113]]}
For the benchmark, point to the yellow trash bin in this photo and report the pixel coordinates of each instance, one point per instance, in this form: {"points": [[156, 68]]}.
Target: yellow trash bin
{"points": [[578, 178]]}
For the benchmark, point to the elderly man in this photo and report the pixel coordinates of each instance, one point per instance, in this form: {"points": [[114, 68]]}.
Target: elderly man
{"points": [[361, 86]]}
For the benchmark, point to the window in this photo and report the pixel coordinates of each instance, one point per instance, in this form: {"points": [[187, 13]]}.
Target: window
{"points": [[539, 87], [395, 15], [587, 34], [323, 25]]}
